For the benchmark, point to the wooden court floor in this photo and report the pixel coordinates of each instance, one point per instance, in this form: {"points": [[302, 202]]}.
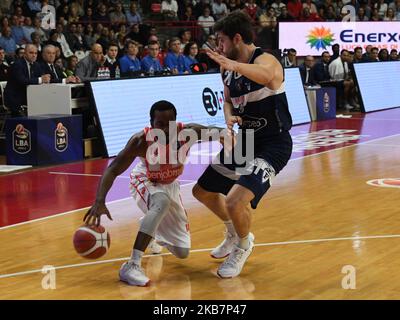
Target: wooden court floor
{"points": [[319, 219]]}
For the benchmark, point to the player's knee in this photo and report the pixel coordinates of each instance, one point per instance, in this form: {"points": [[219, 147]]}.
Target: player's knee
{"points": [[199, 193]]}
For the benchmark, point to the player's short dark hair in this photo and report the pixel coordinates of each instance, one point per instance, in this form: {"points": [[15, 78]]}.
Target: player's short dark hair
{"points": [[322, 54], [161, 105], [343, 51], [236, 22], [375, 49]]}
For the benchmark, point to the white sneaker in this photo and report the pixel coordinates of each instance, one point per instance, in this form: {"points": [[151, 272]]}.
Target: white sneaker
{"points": [[233, 265], [226, 247], [133, 274], [154, 247]]}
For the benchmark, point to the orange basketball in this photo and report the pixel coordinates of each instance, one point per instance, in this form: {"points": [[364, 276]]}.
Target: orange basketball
{"points": [[91, 242]]}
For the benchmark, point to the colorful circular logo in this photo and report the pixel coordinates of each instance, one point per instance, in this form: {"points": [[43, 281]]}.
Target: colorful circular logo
{"points": [[320, 38], [385, 182]]}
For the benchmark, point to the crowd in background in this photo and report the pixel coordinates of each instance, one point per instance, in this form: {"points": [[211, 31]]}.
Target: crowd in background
{"points": [[94, 39]]}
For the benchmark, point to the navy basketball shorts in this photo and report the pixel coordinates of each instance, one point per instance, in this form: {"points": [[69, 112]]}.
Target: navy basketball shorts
{"points": [[270, 157]]}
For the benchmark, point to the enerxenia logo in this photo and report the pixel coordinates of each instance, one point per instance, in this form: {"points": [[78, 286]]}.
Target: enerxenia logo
{"points": [[320, 38]]}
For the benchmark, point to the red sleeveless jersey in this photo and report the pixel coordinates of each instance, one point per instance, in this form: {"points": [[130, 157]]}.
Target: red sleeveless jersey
{"points": [[168, 168]]}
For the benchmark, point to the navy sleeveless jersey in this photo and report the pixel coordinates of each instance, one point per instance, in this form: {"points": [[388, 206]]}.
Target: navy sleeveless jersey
{"points": [[262, 109]]}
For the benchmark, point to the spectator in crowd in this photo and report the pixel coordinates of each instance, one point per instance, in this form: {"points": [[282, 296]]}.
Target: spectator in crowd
{"points": [[19, 15], [367, 53], [321, 68], [307, 72], [335, 51], [339, 71], [375, 15], [88, 18], [53, 36], [285, 16], [390, 16], [78, 39], [219, 9], [190, 55], [289, 59], [169, 9], [34, 6], [278, 5], [251, 8], [188, 15], [4, 66], [383, 55], [358, 56], [20, 52], [17, 32], [185, 36], [7, 42], [150, 63], [381, 6], [307, 16], [311, 7], [135, 34], [86, 69], [48, 67], [268, 20], [211, 42], [373, 55], [72, 62], [295, 8], [39, 30], [361, 15], [174, 59], [395, 6], [102, 15], [35, 39], [330, 15], [22, 73], [129, 63], [118, 17], [206, 21], [65, 49], [111, 61], [89, 36], [104, 39], [121, 45], [73, 16], [28, 29], [234, 5], [393, 55], [133, 16]]}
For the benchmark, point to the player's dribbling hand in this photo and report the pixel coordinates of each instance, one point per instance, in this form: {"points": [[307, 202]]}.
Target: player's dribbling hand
{"points": [[230, 122], [93, 215], [224, 62]]}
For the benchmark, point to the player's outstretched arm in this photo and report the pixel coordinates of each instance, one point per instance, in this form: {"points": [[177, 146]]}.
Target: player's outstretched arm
{"points": [[266, 69], [124, 159]]}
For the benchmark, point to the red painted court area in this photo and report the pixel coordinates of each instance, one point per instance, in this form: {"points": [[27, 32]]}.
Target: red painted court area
{"points": [[42, 192]]}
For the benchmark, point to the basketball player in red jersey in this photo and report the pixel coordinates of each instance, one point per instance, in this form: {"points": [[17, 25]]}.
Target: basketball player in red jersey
{"points": [[155, 189]]}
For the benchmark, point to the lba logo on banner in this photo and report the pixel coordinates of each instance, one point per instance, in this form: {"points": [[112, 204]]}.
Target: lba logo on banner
{"points": [[21, 139], [61, 137]]}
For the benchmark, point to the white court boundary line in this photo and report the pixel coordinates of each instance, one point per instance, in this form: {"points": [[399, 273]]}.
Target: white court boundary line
{"points": [[183, 185], [266, 244]]}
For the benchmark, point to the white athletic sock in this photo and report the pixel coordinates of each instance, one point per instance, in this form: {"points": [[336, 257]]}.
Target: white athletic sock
{"points": [[230, 227], [136, 257], [244, 243]]}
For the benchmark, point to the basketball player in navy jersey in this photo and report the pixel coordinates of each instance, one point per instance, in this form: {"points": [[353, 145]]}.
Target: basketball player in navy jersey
{"points": [[255, 99]]}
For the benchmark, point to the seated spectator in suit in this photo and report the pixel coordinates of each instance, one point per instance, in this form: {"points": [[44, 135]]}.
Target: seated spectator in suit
{"points": [[174, 59], [373, 55], [4, 67], [111, 62], [339, 71], [7, 42], [393, 55], [48, 67], [306, 71], [129, 63], [366, 53], [72, 62], [358, 56], [88, 66], [190, 54], [321, 68], [23, 72], [151, 63]]}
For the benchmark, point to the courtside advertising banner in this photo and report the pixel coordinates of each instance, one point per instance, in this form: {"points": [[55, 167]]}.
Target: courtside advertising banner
{"points": [[312, 38]]}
